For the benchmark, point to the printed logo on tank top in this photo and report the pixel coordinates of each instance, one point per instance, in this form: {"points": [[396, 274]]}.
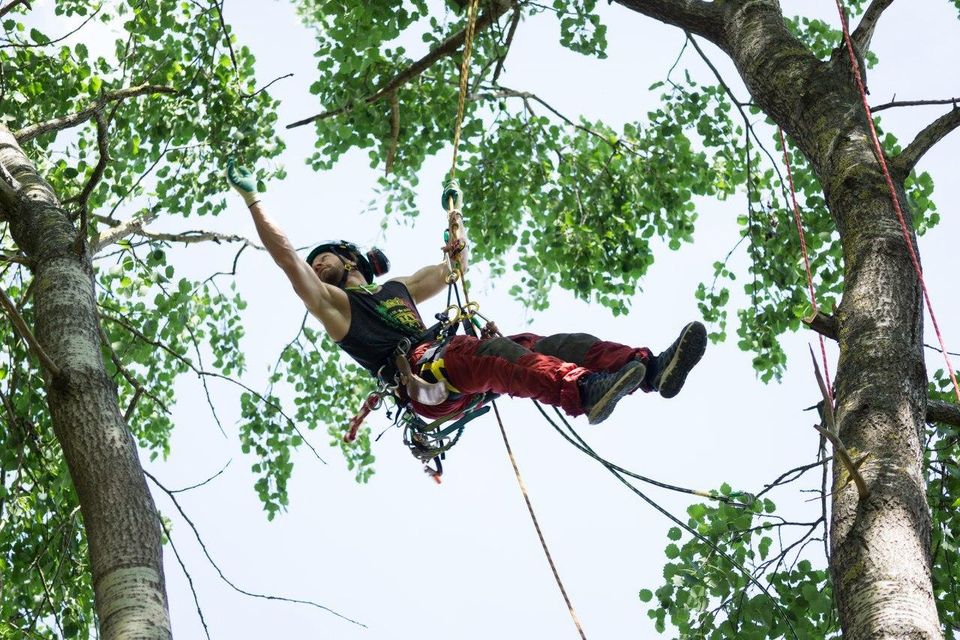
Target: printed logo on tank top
{"points": [[396, 313]]}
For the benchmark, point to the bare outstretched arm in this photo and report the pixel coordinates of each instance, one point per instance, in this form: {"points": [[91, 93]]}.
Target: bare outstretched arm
{"points": [[328, 303]]}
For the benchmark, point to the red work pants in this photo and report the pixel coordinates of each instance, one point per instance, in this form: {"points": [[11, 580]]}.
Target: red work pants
{"points": [[526, 365]]}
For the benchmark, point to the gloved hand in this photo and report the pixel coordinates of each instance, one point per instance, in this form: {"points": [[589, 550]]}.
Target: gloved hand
{"points": [[243, 181], [452, 190]]}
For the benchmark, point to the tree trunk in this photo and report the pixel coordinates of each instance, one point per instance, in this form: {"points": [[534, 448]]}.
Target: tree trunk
{"points": [[880, 546], [120, 518]]}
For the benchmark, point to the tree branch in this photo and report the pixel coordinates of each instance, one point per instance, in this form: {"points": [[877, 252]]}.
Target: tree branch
{"points": [[943, 412], [13, 5], [59, 124], [444, 49], [21, 326], [862, 35], [825, 325], [192, 237], [913, 103], [95, 177], [931, 135], [696, 16], [121, 231], [219, 571]]}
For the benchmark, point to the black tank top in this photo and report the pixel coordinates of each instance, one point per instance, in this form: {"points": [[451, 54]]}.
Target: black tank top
{"points": [[378, 321]]}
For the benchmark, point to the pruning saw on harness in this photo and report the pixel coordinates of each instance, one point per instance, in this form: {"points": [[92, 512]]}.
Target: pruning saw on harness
{"points": [[438, 377]]}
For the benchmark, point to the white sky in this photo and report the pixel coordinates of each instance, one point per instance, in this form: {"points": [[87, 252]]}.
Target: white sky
{"points": [[410, 559]]}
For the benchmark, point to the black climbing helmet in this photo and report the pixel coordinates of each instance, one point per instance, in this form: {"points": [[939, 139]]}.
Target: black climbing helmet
{"points": [[370, 264]]}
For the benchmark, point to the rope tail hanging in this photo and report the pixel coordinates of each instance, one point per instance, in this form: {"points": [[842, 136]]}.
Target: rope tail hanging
{"points": [[878, 152]]}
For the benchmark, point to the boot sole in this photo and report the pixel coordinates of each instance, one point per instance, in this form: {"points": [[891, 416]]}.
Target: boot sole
{"points": [[626, 384], [693, 342]]}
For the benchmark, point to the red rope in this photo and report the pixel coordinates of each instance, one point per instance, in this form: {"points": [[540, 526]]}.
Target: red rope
{"points": [[806, 260], [878, 151]]}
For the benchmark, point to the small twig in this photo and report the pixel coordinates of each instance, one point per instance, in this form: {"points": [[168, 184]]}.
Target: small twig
{"points": [[212, 374], [207, 481], [21, 326], [270, 84], [913, 103], [394, 131], [219, 571], [27, 45], [183, 567]]}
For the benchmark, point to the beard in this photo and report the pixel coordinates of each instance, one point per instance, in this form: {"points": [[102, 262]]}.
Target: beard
{"points": [[332, 275]]}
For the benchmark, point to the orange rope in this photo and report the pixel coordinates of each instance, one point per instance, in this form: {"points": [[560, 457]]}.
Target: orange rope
{"points": [[536, 524], [464, 73]]}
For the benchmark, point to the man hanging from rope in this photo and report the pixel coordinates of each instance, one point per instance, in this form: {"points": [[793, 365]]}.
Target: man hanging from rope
{"points": [[577, 372]]}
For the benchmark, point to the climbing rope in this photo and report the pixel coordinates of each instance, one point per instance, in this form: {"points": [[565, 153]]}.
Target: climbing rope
{"points": [[469, 311], [806, 259], [464, 74], [536, 523], [878, 152]]}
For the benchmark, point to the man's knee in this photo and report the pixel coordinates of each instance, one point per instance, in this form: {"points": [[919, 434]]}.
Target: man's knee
{"points": [[569, 347], [502, 348]]}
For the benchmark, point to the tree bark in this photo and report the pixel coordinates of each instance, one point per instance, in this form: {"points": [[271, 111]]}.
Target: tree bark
{"points": [[881, 564], [120, 518]]}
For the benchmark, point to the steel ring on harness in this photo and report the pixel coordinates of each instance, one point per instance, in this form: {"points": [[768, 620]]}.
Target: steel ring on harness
{"points": [[453, 276], [453, 313], [471, 309]]}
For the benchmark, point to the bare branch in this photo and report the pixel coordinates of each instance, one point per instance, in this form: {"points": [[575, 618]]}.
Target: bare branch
{"points": [[13, 5], [195, 236], [59, 124], [31, 45], [913, 103], [444, 49], [203, 374], [944, 412], [21, 326], [183, 567], [394, 131], [207, 481], [696, 16], [121, 231], [864, 32], [931, 135], [219, 571]]}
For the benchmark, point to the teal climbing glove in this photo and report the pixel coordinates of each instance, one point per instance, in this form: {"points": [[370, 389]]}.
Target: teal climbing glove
{"points": [[243, 181], [452, 190]]}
